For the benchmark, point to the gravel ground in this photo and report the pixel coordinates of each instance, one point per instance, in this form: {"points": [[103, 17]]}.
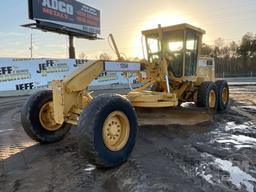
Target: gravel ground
{"points": [[219, 155]]}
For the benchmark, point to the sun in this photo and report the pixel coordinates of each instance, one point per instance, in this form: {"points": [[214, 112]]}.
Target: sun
{"points": [[163, 18]]}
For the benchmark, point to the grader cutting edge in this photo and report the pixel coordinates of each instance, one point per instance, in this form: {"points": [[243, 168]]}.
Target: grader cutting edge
{"points": [[108, 124]]}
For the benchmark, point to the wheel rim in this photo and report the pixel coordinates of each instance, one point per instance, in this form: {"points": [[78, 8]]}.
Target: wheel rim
{"points": [[116, 131], [224, 95], [46, 117], [212, 99]]}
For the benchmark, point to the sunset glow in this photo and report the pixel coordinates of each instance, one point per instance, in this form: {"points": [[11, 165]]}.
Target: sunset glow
{"points": [[126, 23], [163, 18]]}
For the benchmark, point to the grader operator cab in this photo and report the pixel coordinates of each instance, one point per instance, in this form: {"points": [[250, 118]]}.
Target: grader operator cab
{"points": [[179, 45], [108, 124]]}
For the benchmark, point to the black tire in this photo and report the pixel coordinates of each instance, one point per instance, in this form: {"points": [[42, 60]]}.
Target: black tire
{"points": [[222, 85], [31, 123], [90, 127], [204, 94], [179, 103]]}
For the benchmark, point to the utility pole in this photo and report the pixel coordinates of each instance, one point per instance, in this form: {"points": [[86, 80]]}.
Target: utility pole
{"points": [[31, 46]]}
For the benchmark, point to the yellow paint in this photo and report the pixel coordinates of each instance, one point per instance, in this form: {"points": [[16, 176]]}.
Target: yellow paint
{"points": [[116, 131], [46, 117], [70, 96]]}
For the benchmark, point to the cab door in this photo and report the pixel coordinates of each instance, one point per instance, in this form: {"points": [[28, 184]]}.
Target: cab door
{"points": [[191, 53]]}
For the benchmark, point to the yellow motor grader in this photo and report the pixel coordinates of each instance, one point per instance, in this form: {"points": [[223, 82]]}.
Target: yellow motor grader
{"points": [[108, 123]]}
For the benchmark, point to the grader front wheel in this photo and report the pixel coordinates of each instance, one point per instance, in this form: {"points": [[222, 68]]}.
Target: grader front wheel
{"points": [[38, 120], [107, 129]]}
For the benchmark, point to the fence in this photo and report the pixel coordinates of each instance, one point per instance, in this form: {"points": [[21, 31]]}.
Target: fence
{"points": [[231, 75]]}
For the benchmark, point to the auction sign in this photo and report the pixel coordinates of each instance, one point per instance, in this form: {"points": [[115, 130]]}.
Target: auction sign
{"points": [[66, 13], [23, 74]]}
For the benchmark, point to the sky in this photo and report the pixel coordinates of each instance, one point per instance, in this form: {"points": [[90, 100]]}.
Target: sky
{"points": [[229, 19]]}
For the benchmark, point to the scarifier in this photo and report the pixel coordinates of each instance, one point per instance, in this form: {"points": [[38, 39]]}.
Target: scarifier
{"points": [[108, 124]]}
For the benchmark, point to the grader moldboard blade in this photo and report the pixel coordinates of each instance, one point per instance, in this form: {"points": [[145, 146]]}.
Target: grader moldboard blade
{"points": [[173, 116]]}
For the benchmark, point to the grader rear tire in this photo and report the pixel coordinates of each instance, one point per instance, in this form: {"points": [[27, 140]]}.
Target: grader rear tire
{"points": [[223, 95], [107, 129], [37, 119], [207, 95]]}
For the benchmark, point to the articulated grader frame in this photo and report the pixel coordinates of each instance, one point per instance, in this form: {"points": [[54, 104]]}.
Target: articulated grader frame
{"points": [[108, 124]]}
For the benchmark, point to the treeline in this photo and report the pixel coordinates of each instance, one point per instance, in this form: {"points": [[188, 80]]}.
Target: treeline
{"points": [[233, 59]]}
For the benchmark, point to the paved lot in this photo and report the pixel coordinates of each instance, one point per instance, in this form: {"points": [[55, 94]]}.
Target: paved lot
{"points": [[219, 155]]}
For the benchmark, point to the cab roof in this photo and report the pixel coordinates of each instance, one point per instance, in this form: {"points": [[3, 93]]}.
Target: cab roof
{"points": [[179, 27]]}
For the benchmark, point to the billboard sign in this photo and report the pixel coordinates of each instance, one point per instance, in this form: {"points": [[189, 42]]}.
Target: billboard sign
{"points": [[69, 14]]}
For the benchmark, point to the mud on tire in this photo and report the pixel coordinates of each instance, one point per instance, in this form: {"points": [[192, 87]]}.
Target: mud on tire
{"points": [[223, 95], [91, 127], [204, 95], [31, 121]]}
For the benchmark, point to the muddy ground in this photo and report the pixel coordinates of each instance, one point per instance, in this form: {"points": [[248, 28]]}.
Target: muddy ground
{"points": [[219, 155]]}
